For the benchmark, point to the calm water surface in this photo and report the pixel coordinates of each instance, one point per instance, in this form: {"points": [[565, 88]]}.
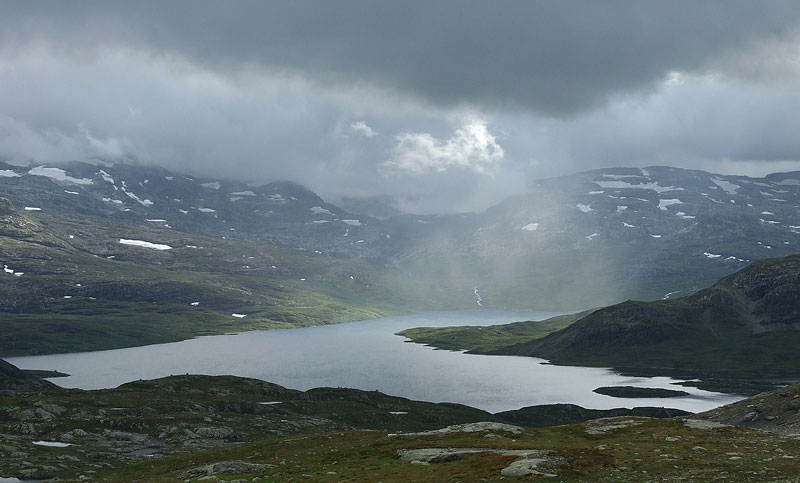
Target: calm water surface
{"points": [[367, 355]]}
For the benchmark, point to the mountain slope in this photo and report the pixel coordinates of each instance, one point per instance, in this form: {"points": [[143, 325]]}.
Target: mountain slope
{"points": [[746, 324], [608, 235], [776, 411], [69, 284], [587, 239]]}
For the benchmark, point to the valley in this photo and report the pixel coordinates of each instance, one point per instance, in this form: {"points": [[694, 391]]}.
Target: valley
{"points": [[98, 258], [166, 256]]}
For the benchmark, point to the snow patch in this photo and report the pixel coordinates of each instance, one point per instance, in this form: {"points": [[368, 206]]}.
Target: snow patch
{"points": [[655, 236], [627, 225], [352, 222], [206, 210], [318, 210], [239, 316], [136, 198], [726, 186], [11, 271], [642, 186], [58, 175], [52, 444], [683, 215], [788, 182], [243, 193], [767, 213], [662, 204], [32, 208], [711, 255], [321, 221], [592, 236], [621, 209], [145, 244], [584, 208], [277, 198], [71, 192], [212, 186], [7, 173], [596, 192], [621, 176], [531, 227]]}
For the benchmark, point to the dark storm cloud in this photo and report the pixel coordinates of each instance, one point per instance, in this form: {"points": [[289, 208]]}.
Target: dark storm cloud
{"points": [[446, 105], [554, 57]]}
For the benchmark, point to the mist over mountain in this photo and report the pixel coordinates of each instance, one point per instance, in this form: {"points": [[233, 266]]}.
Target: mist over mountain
{"points": [[573, 242]]}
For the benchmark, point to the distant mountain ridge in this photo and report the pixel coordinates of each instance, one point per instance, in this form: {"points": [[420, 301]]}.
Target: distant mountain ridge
{"points": [[280, 255]]}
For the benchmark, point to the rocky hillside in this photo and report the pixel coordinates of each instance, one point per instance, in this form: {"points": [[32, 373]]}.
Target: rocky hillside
{"points": [[746, 324], [199, 428], [775, 411], [13, 380], [9, 371], [47, 431]]}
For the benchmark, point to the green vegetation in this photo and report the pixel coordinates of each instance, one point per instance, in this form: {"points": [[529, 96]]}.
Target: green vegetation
{"points": [[555, 414], [634, 450], [87, 292], [635, 392], [232, 428], [482, 340]]}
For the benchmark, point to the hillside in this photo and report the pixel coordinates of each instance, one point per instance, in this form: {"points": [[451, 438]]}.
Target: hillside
{"points": [[47, 431], [776, 411], [604, 236], [201, 428], [739, 335], [485, 339], [70, 284], [13, 380], [748, 324]]}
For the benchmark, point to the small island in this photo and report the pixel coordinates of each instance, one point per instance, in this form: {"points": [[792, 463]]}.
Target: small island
{"points": [[635, 392]]}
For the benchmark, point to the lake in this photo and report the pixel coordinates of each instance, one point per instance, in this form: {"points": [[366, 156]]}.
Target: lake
{"points": [[367, 355]]}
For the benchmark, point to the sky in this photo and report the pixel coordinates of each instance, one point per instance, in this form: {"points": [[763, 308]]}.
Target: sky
{"points": [[445, 106]]}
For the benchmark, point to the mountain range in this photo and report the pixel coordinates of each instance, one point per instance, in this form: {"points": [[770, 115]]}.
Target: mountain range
{"points": [[82, 244]]}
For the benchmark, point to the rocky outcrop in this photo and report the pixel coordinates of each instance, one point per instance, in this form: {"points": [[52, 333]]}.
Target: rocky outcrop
{"points": [[237, 467], [776, 411]]}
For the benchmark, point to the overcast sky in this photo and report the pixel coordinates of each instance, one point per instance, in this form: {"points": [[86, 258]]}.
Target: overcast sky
{"points": [[448, 105]]}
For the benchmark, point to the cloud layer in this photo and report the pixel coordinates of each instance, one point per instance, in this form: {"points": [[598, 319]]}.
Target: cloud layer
{"points": [[446, 105]]}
